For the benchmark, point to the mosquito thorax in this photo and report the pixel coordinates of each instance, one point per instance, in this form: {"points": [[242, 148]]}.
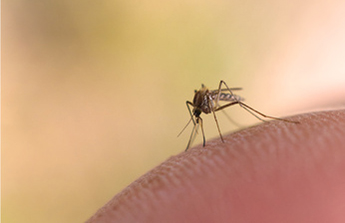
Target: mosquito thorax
{"points": [[197, 100]]}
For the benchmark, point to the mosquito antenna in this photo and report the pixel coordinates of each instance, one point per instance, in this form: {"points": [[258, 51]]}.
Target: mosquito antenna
{"points": [[185, 127], [192, 136]]}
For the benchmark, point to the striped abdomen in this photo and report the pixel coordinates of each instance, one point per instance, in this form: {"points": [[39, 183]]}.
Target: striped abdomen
{"points": [[227, 97]]}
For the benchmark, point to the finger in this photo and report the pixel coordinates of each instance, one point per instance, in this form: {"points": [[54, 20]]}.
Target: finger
{"points": [[273, 172]]}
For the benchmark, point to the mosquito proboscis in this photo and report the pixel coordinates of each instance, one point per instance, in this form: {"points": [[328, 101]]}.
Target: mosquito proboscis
{"points": [[207, 101]]}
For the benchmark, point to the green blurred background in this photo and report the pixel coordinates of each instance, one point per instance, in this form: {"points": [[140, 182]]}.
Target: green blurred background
{"points": [[93, 92]]}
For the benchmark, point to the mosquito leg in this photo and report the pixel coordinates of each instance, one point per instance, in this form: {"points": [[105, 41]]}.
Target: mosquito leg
{"points": [[193, 133], [191, 118], [192, 136], [266, 116], [252, 113], [188, 103], [251, 110], [242, 105], [215, 118], [185, 127], [220, 89], [213, 109], [227, 87], [203, 133], [226, 105]]}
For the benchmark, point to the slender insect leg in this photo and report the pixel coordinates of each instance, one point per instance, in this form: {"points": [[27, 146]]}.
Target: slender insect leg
{"points": [[215, 118], [192, 136], [246, 107], [216, 106], [266, 116], [220, 89], [226, 105], [193, 133], [203, 133], [252, 113], [184, 127], [240, 103], [213, 109], [191, 117], [242, 106], [188, 103]]}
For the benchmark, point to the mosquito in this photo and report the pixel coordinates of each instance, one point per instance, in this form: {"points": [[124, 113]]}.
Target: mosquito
{"points": [[207, 101]]}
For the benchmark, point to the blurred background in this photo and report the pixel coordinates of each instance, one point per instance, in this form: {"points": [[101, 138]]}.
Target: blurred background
{"points": [[93, 92]]}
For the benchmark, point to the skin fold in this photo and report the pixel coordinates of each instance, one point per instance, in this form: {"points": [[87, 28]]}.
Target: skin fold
{"points": [[272, 172]]}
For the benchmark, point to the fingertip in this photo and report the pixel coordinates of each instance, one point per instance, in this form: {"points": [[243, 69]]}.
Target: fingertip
{"points": [[272, 172]]}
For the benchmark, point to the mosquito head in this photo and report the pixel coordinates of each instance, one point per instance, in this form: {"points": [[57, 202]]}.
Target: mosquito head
{"points": [[197, 112]]}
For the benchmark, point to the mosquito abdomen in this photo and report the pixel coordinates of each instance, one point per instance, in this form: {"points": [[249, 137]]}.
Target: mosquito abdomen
{"points": [[229, 97]]}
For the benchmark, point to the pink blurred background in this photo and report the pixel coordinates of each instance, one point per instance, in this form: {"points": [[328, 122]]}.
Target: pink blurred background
{"points": [[93, 93]]}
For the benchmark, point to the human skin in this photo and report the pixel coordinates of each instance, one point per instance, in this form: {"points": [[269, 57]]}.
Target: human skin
{"points": [[272, 172]]}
